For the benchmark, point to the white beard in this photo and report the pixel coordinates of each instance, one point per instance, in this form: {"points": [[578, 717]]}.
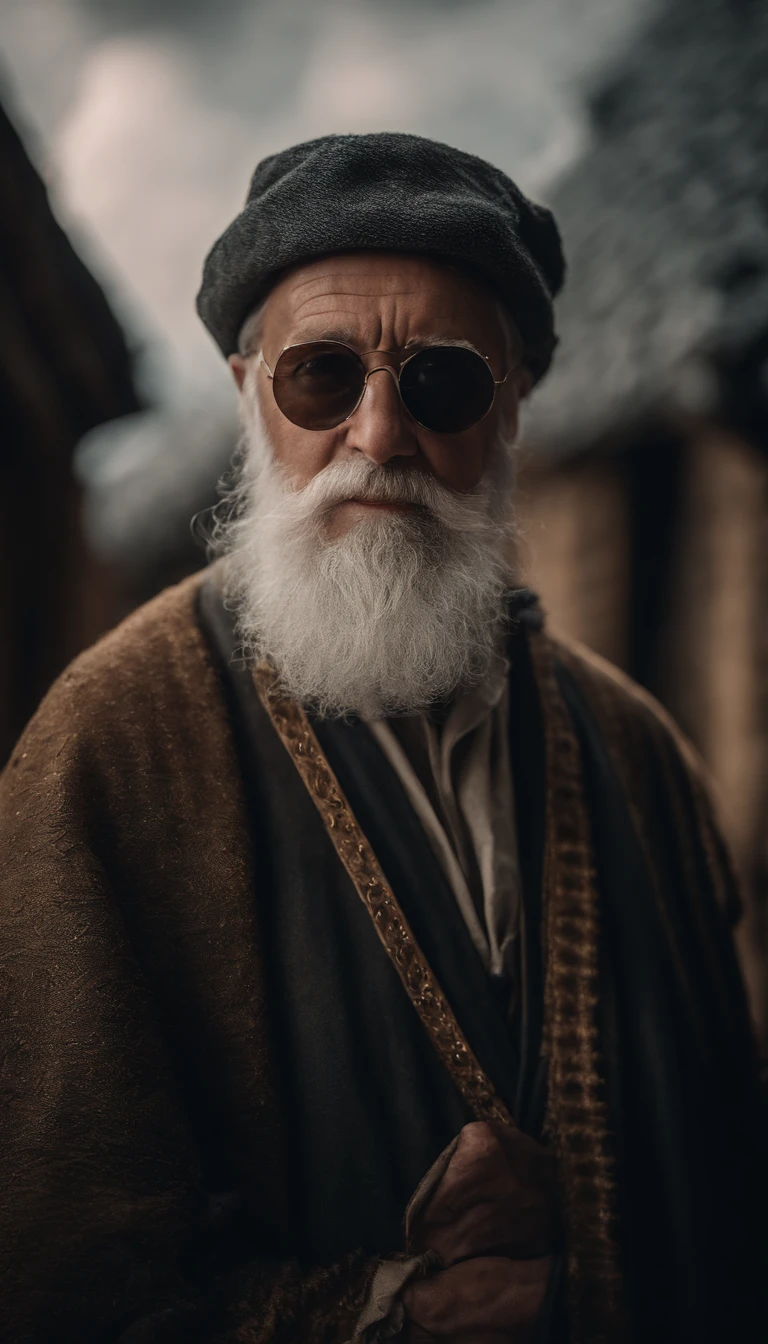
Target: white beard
{"points": [[401, 611]]}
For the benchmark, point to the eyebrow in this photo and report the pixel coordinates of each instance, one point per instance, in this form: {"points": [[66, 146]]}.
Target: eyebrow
{"points": [[344, 334], [459, 341], [349, 337]]}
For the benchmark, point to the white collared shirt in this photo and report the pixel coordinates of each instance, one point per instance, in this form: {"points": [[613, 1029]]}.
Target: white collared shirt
{"points": [[458, 778]]}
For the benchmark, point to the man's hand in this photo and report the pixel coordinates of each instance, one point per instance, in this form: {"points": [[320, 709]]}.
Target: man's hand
{"points": [[497, 1197], [488, 1300]]}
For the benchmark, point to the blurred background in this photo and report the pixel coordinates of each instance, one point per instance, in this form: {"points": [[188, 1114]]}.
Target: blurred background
{"points": [[128, 132]]}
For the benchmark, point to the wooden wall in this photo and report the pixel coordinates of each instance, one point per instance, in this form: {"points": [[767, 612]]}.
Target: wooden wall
{"points": [[703, 648]]}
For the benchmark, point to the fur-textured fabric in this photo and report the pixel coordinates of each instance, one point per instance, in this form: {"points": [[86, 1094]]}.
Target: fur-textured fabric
{"points": [[127, 890], [386, 192], [133, 1005]]}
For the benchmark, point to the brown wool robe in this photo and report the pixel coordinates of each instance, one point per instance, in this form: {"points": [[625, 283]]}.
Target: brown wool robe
{"points": [[131, 960]]}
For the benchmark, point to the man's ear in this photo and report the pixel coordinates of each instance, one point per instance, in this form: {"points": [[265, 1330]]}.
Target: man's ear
{"points": [[239, 367], [524, 381]]}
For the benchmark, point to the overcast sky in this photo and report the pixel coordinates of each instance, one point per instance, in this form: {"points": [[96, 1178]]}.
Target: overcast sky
{"points": [[148, 118]]}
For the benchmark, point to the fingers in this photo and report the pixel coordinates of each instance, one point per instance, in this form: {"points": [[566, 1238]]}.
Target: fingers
{"points": [[481, 1300], [478, 1163], [487, 1228], [529, 1160], [488, 1154], [497, 1196]]}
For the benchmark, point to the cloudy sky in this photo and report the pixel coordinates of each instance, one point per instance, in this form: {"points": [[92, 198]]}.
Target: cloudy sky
{"points": [[148, 116]]}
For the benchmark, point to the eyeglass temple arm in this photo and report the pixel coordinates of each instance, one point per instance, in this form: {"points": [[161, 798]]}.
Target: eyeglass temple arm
{"points": [[263, 361], [499, 382]]}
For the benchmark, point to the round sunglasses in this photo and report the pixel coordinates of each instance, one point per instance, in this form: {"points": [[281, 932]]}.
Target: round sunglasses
{"points": [[445, 388]]}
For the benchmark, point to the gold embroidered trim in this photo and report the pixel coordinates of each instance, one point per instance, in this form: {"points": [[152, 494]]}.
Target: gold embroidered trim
{"points": [[626, 742], [576, 1111], [368, 879], [721, 872]]}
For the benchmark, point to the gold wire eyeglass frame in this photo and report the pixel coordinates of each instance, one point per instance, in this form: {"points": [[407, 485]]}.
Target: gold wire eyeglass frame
{"points": [[396, 370]]}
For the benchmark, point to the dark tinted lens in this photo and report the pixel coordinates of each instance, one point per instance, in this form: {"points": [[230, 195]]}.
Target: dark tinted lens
{"points": [[447, 388], [318, 385]]}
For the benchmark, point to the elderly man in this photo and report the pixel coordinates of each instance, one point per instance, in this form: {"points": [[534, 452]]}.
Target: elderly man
{"points": [[367, 969]]}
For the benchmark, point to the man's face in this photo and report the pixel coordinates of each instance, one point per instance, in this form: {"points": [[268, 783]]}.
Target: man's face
{"points": [[389, 302], [370, 561]]}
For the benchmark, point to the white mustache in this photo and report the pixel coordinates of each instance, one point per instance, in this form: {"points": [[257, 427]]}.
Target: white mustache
{"points": [[364, 480]]}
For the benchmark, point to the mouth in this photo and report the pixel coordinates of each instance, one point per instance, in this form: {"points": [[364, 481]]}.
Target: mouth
{"points": [[384, 505], [350, 513]]}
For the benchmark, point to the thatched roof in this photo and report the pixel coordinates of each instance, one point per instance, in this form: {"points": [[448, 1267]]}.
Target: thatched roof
{"points": [[665, 223]]}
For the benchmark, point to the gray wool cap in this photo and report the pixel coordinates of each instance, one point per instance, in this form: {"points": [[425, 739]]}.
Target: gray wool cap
{"points": [[386, 192]]}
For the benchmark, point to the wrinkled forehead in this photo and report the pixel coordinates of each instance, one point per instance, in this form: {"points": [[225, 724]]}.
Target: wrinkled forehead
{"points": [[381, 300]]}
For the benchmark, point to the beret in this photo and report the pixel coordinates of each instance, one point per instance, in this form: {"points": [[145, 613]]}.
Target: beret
{"points": [[392, 192]]}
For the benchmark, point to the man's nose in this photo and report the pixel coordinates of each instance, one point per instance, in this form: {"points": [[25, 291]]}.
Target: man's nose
{"points": [[380, 427]]}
